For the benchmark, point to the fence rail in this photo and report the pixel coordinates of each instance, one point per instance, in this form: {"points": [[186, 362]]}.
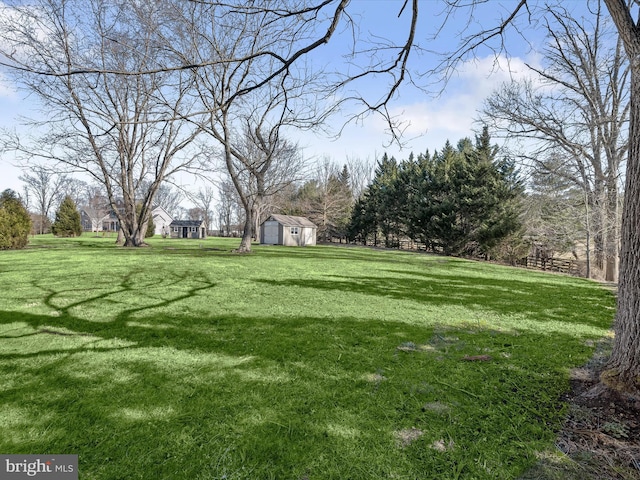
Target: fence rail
{"points": [[549, 264]]}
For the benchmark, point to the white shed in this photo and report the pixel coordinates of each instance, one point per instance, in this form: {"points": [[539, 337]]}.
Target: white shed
{"points": [[288, 230]]}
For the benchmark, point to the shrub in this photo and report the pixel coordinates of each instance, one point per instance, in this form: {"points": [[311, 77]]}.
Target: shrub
{"points": [[67, 223], [15, 222], [151, 228]]}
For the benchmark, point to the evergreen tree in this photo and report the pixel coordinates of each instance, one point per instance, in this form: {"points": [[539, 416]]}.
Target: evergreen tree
{"points": [[363, 226], [497, 193], [434, 210], [344, 203], [384, 200], [15, 222], [151, 228], [463, 200], [67, 222]]}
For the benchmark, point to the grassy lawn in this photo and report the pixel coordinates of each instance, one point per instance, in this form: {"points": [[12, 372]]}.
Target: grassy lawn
{"points": [[186, 361]]}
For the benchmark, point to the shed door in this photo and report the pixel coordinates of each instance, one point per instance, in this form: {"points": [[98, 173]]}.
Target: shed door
{"points": [[308, 236], [270, 233]]}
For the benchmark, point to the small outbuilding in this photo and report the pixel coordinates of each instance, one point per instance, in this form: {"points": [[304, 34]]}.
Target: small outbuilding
{"points": [[188, 229], [288, 230]]}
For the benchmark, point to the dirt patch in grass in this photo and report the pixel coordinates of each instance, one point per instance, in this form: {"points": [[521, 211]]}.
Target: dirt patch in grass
{"points": [[436, 407], [600, 438], [407, 436]]}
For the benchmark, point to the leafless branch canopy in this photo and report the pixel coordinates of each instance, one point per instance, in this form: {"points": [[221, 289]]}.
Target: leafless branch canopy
{"points": [[275, 39]]}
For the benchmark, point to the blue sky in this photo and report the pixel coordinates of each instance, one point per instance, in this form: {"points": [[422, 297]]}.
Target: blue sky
{"points": [[430, 119]]}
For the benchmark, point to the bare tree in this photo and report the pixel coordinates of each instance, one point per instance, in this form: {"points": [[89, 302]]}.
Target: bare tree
{"points": [[195, 213], [554, 211], [45, 189], [327, 200], [203, 200], [120, 130], [360, 175], [579, 108], [229, 208], [169, 196], [246, 122], [170, 199]]}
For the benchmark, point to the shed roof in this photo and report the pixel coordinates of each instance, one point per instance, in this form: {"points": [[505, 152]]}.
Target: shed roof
{"points": [[291, 221], [187, 223]]}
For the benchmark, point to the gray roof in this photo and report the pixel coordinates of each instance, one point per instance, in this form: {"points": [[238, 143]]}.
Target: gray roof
{"points": [[291, 221], [187, 223]]}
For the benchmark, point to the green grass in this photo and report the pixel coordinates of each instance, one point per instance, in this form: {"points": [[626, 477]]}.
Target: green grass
{"points": [[186, 361]]}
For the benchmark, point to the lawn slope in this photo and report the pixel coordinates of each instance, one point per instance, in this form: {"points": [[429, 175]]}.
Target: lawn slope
{"points": [[185, 361]]}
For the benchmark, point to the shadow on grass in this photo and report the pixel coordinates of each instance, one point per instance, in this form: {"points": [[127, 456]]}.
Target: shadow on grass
{"points": [[249, 397], [161, 391], [541, 302], [332, 252]]}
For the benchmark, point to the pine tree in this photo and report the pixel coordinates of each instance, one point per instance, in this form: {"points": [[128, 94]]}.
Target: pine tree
{"points": [[67, 222], [463, 200], [362, 225], [435, 212], [344, 203], [500, 195], [151, 228], [384, 200], [15, 222]]}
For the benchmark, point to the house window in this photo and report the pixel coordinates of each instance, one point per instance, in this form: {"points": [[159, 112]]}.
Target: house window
{"points": [[194, 229], [294, 231], [176, 229]]}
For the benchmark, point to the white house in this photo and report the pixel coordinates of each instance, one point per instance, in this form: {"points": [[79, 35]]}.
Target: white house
{"points": [[161, 221], [287, 230]]}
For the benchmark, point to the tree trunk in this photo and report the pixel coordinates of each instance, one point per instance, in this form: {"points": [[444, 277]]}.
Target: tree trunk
{"points": [[624, 365], [598, 242], [134, 241], [612, 230], [247, 233], [245, 243], [130, 234], [587, 227]]}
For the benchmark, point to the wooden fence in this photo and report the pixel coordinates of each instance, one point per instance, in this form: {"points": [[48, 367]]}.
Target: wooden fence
{"points": [[560, 265]]}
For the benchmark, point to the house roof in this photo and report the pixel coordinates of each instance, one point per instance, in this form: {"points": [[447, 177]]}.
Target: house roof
{"points": [[158, 211], [291, 221], [187, 223]]}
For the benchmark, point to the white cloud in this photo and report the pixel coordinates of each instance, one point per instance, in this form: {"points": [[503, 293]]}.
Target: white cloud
{"points": [[429, 121], [451, 115]]}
